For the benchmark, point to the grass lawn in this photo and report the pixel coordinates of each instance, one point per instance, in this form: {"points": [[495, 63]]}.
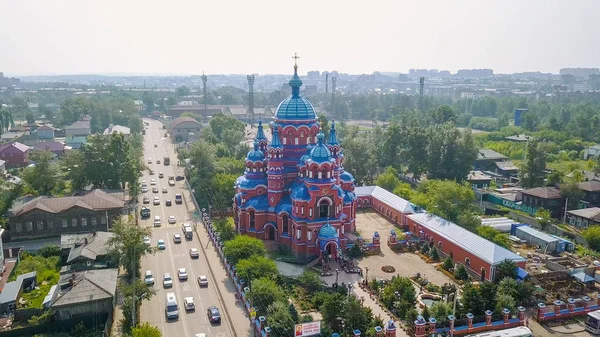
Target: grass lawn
{"points": [[47, 269]]}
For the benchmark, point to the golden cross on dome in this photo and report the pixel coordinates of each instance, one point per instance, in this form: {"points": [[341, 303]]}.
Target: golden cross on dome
{"points": [[295, 57]]}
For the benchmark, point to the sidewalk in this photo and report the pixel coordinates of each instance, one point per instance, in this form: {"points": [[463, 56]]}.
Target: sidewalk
{"points": [[234, 310], [377, 310]]}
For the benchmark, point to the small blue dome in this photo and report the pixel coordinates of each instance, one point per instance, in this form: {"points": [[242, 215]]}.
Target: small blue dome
{"points": [[327, 232], [346, 176], [320, 152], [256, 154]]}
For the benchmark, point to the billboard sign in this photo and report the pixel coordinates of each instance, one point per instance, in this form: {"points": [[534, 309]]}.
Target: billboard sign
{"points": [[308, 329]]}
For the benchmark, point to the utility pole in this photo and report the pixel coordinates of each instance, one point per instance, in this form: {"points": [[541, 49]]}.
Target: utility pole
{"points": [[327, 83], [204, 79], [566, 208], [421, 87], [133, 311], [251, 99], [333, 80]]}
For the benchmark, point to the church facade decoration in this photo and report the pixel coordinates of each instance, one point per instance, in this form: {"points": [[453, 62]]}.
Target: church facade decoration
{"points": [[294, 190]]}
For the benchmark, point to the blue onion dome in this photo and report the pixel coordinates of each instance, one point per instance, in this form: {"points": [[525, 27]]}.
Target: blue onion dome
{"points": [[332, 135], [306, 156], [275, 142], [260, 134], [346, 177], [256, 154], [327, 232], [320, 152], [295, 107]]}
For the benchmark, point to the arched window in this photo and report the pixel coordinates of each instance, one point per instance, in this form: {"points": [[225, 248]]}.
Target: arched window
{"points": [[324, 206], [252, 219], [467, 263]]}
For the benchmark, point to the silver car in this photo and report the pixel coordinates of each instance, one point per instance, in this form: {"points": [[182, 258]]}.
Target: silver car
{"points": [[167, 280]]}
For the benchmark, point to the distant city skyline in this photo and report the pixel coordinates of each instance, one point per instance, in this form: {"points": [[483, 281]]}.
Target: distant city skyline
{"points": [[185, 37]]}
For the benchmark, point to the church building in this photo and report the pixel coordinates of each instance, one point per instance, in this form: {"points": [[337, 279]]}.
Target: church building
{"points": [[294, 190]]}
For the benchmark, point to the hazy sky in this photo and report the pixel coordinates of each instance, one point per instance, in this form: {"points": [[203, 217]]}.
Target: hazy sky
{"points": [[260, 36]]}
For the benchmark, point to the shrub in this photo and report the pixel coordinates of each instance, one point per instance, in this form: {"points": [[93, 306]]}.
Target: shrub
{"points": [[461, 273], [448, 264]]}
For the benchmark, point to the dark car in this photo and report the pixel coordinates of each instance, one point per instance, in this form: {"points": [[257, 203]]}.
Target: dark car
{"points": [[213, 315], [168, 202], [178, 178]]}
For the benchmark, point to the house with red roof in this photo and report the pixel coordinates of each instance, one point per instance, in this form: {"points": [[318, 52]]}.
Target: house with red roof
{"points": [[14, 154]]}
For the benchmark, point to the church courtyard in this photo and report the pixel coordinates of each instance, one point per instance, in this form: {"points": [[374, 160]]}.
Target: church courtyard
{"points": [[405, 264]]}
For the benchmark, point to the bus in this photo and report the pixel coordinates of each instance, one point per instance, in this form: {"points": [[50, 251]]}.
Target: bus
{"points": [[592, 322], [519, 331]]}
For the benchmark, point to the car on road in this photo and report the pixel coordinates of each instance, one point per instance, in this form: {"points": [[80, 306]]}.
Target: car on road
{"points": [[147, 240], [165, 190], [151, 172], [182, 274], [158, 161], [146, 200], [214, 316], [144, 189], [179, 178], [168, 202], [148, 278], [144, 183], [171, 309], [188, 304], [156, 201], [161, 175], [149, 160], [172, 219], [167, 280], [178, 198], [194, 253], [157, 221], [176, 238], [152, 182], [200, 335], [203, 281], [155, 145], [154, 189], [161, 244]]}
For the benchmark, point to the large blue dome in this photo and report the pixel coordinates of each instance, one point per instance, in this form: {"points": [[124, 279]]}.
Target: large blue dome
{"points": [[295, 107]]}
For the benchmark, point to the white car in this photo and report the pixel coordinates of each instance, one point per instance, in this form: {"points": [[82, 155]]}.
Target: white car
{"points": [[148, 278], [161, 175], [147, 240], [200, 335], [156, 201], [176, 238], [144, 189], [152, 182], [172, 219], [194, 253], [144, 183], [188, 303], [164, 190], [203, 281], [154, 189], [182, 274], [161, 244], [149, 160], [167, 280]]}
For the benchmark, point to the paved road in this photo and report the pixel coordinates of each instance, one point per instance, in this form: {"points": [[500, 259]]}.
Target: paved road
{"points": [[176, 255]]}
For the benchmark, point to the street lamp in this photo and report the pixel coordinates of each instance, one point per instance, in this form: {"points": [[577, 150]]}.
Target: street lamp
{"points": [[337, 274], [349, 289], [367, 275]]}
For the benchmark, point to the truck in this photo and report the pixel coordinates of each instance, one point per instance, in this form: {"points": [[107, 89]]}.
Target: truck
{"points": [[187, 230], [166, 161], [178, 198]]}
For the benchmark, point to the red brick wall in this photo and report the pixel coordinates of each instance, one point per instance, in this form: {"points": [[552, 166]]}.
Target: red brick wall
{"points": [[392, 215]]}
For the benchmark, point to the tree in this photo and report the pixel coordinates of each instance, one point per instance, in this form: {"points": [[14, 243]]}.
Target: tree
{"points": [[293, 312], [222, 190], [532, 172], [256, 266], [20, 106], [391, 148], [310, 281], [281, 320], [225, 228], [573, 194], [183, 91], [73, 109], [461, 273], [42, 177], [30, 118], [592, 237], [358, 155], [440, 311], [227, 130], [265, 291], [505, 301], [127, 245], [243, 247], [134, 292], [433, 254], [494, 235], [448, 264], [471, 299], [388, 180], [506, 268], [450, 152], [508, 286], [331, 310], [324, 125], [6, 119], [146, 330], [399, 295], [425, 313], [488, 295], [442, 114], [543, 217]]}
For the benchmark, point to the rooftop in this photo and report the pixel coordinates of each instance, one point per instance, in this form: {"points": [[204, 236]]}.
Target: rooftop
{"points": [[16, 145], [506, 165], [388, 198], [96, 245], [592, 213], [487, 154], [469, 241], [95, 200], [87, 286], [590, 186], [543, 192], [535, 233], [117, 129], [478, 175], [79, 125], [184, 119]]}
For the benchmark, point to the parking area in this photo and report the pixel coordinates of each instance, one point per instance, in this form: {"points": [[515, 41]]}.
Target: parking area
{"points": [[405, 264]]}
